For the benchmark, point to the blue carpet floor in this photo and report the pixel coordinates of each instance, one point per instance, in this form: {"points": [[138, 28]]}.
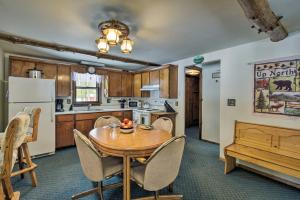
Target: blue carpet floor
{"points": [[201, 177]]}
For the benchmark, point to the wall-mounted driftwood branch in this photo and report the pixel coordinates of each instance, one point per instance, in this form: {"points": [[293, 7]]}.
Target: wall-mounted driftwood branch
{"points": [[59, 47], [264, 19]]}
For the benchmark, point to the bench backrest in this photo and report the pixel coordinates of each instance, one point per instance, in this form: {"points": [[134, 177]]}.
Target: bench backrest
{"points": [[284, 141]]}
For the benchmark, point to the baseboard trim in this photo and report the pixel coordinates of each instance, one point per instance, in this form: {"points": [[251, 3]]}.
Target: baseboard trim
{"points": [[271, 176], [210, 142]]}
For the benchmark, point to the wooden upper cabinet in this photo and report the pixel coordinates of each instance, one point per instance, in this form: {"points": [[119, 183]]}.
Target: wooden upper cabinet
{"points": [[49, 70], [126, 85], [145, 81], [114, 84], [63, 81], [164, 83], [20, 68], [137, 84], [101, 71], [78, 69], [168, 82], [154, 77], [145, 78]]}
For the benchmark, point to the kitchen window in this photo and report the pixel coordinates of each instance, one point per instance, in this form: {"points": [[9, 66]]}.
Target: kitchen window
{"points": [[86, 89]]}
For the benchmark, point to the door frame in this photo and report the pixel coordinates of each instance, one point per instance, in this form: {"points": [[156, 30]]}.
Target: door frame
{"points": [[200, 96]]}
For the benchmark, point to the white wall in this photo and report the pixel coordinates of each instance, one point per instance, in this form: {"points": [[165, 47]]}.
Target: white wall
{"points": [[1, 90], [210, 103], [237, 82]]}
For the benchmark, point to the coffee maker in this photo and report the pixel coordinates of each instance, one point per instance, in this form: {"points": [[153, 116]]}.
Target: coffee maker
{"points": [[59, 106]]}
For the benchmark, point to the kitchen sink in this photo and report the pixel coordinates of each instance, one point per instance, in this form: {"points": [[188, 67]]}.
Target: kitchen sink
{"points": [[95, 109], [92, 109]]}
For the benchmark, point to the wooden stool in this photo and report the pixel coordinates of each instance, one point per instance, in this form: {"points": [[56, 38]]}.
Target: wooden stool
{"points": [[23, 151], [13, 137]]}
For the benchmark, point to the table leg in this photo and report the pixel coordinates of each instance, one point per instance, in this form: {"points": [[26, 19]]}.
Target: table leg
{"points": [[126, 178]]}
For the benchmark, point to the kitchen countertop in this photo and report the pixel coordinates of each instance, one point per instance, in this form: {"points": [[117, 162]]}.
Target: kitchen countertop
{"points": [[164, 113], [93, 111]]}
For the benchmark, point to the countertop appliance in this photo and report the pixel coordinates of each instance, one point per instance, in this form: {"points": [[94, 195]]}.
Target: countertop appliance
{"points": [[35, 73], [59, 105], [29, 92], [133, 104], [143, 116]]}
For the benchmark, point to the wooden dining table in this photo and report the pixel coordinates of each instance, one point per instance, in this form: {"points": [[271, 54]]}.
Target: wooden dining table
{"points": [[140, 143]]}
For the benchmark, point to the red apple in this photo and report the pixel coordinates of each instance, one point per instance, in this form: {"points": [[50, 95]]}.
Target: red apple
{"points": [[129, 124], [126, 120]]}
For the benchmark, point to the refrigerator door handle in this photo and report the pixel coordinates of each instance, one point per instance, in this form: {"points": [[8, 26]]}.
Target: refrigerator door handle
{"points": [[51, 113]]}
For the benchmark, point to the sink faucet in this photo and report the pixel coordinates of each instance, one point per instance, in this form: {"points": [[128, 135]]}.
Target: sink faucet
{"points": [[89, 106]]}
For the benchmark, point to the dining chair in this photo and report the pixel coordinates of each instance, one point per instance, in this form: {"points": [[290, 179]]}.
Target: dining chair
{"points": [[161, 168], [106, 120], [163, 123], [31, 136], [13, 137], [96, 167]]}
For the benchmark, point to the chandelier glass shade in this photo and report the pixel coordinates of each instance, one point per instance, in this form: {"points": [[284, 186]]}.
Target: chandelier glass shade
{"points": [[112, 36], [126, 46], [102, 45], [114, 32]]}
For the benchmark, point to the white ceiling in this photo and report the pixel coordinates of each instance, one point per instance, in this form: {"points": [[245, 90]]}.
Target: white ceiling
{"points": [[163, 30]]}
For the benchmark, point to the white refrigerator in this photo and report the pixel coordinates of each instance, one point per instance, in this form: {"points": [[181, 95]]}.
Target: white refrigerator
{"points": [[28, 92]]}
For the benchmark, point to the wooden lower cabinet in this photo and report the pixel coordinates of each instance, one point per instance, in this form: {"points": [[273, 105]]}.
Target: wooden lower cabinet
{"points": [[127, 114], [83, 122], [118, 115], [64, 131], [85, 126], [172, 116]]}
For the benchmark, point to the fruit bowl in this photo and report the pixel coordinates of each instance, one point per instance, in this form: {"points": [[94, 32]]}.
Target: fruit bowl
{"points": [[126, 130], [126, 126]]}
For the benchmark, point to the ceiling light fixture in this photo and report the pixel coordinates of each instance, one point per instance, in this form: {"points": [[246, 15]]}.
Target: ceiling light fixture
{"points": [[192, 72], [126, 46], [102, 45], [114, 32]]}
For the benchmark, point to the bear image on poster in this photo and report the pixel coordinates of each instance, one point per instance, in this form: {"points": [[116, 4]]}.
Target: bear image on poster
{"points": [[283, 83]]}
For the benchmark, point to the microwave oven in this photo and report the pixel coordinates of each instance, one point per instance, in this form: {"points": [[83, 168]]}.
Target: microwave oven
{"points": [[133, 104]]}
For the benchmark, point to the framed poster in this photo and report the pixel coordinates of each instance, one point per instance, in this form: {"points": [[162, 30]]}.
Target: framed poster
{"points": [[277, 87]]}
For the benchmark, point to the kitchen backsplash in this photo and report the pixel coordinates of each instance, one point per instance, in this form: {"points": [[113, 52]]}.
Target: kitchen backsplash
{"points": [[112, 102]]}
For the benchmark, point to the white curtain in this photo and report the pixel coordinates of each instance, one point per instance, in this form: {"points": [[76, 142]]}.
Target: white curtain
{"points": [[79, 77]]}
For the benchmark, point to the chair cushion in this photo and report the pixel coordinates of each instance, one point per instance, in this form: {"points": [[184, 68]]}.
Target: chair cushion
{"points": [[111, 165], [19, 137], [138, 173]]}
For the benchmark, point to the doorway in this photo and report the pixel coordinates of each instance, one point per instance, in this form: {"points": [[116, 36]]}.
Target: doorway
{"points": [[193, 102], [202, 102]]}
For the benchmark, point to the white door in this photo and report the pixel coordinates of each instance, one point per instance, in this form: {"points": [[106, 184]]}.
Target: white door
{"points": [[45, 143], [30, 90]]}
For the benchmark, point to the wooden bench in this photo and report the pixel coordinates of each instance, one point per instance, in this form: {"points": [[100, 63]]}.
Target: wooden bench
{"points": [[271, 147]]}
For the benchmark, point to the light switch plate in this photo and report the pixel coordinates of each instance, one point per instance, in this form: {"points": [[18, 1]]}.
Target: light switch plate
{"points": [[231, 102]]}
